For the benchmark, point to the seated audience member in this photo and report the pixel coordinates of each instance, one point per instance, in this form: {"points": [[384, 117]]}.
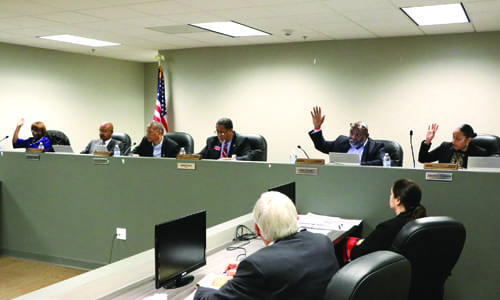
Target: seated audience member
{"points": [[154, 144], [359, 142], [226, 143], [39, 132], [105, 132], [455, 152], [405, 202], [294, 265]]}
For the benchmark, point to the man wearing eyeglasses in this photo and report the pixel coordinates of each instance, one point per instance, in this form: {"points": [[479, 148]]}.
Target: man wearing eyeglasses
{"points": [[105, 139], [358, 142], [227, 143]]}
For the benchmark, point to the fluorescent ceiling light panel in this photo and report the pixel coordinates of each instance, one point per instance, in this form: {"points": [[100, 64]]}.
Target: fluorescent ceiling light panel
{"points": [[73, 39], [230, 28], [437, 14]]}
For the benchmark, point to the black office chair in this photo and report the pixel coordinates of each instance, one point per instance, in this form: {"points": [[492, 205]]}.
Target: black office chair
{"points": [[183, 139], [395, 152], [433, 246], [125, 139], [258, 144], [489, 142], [57, 137], [378, 275]]}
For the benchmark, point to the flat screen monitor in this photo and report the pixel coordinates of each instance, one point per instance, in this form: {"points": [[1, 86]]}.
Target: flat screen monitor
{"points": [[180, 246], [288, 189]]}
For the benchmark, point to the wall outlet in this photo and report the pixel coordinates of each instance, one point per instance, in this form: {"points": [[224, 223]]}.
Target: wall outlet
{"points": [[121, 233]]}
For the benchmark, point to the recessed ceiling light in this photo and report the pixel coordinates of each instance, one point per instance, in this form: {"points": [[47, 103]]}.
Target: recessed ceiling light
{"points": [[73, 39], [437, 14], [230, 28]]}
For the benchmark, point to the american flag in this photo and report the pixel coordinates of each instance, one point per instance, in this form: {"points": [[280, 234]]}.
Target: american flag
{"points": [[161, 105]]}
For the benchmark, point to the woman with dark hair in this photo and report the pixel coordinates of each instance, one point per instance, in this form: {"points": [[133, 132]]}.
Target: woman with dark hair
{"points": [[405, 201], [38, 130], [455, 152]]}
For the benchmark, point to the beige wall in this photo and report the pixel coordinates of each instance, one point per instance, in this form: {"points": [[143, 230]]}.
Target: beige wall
{"points": [[70, 92], [394, 85]]}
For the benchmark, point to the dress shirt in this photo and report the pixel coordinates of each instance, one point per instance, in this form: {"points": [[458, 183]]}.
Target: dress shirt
{"points": [[157, 149]]}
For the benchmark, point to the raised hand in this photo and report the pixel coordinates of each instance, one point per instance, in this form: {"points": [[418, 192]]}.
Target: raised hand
{"points": [[20, 122], [431, 132], [317, 118]]}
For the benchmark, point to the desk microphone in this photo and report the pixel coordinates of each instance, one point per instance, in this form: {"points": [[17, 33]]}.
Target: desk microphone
{"points": [[411, 145], [6, 137], [128, 149], [298, 146]]}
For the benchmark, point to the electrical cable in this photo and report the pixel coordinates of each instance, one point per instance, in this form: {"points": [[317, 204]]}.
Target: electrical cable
{"points": [[111, 251], [240, 235]]}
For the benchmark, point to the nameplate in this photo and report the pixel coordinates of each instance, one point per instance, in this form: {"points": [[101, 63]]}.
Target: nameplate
{"points": [[32, 156], [189, 156], [440, 166], [34, 150], [186, 166], [438, 176], [306, 171], [309, 161], [101, 161], [102, 153]]}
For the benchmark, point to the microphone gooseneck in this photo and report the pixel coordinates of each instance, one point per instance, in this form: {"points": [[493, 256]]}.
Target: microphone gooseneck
{"points": [[6, 137], [411, 145], [298, 146]]}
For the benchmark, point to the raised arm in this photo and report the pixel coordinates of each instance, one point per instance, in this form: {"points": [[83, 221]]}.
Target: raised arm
{"points": [[431, 132], [317, 118], [20, 123]]}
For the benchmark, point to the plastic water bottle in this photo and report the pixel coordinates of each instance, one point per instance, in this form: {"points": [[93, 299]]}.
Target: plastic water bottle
{"points": [[40, 146], [387, 160], [116, 151], [233, 157], [183, 151], [293, 156]]}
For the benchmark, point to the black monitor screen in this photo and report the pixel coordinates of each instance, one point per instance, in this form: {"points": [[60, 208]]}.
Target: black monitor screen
{"points": [[288, 189], [179, 249]]}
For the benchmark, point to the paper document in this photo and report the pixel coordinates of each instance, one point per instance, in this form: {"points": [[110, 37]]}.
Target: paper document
{"points": [[206, 281], [320, 223]]}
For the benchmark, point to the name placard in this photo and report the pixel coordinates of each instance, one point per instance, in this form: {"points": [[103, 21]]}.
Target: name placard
{"points": [[433, 176], [101, 161], [306, 171], [186, 166]]}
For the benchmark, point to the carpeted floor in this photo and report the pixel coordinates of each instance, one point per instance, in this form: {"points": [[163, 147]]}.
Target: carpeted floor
{"points": [[19, 277]]}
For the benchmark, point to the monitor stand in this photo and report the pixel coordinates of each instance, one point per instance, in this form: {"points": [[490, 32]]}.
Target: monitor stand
{"points": [[179, 282]]}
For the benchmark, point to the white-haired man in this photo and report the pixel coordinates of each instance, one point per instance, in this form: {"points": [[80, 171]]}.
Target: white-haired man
{"points": [[293, 265]]}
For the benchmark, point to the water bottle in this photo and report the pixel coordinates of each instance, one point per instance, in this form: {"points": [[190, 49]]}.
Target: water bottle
{"points": [[116, 151], [183, 151], [387, 160], [293, 156], [233, 157], [41, 147]]}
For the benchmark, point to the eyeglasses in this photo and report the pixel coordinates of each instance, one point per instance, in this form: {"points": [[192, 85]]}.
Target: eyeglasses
{"points": [[220, 132]]}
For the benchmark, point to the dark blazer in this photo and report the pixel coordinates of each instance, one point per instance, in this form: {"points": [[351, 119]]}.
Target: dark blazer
{"points": [[239, 146], [111, 146], [381, 238], [298, 267], [373, 154], [169, 148], [445, 151]]}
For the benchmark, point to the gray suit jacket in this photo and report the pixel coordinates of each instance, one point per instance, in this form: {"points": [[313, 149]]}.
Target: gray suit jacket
{"points": [[90, 149]]}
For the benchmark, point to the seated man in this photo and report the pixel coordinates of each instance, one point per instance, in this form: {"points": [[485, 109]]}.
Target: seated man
{"points": [[226, 143], [154, 144], [105, 132], [293, 265], [369, 151]]}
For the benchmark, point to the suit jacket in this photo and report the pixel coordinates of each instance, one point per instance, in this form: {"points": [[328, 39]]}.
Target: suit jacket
{"points": [[169, 148], [90, 149], [298, 267], [239, 146], [372, 155], [445, 151]]}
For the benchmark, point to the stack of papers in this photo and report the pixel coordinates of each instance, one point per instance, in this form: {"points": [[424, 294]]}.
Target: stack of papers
{"points": [[325, 224]]}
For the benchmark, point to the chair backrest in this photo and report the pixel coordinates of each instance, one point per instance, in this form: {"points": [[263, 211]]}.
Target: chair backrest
{"points": [[433, 246], [378, 275], [395, 152], [258, 144], [57, 137], [125, 139], [489, 142], [183, 139]]}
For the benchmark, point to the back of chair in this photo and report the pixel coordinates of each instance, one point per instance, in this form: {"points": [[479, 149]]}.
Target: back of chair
{"points": [[258, 144], [378, 275], [433, 246], [57, 137], [395, 152], [489, 142], [185, 140], [125, 139]]}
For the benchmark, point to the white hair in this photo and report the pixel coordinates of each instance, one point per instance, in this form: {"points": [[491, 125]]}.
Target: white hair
{"points": [[276, 216]]}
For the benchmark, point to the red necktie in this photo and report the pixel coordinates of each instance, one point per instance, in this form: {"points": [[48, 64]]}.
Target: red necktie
{"points": [[224, 150]]}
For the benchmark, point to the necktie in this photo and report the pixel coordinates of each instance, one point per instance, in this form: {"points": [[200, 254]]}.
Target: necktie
{"points": [[224, 150]]}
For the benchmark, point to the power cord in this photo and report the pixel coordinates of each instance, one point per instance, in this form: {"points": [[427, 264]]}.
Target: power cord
{"points": [[241, 235], [112, 243]]}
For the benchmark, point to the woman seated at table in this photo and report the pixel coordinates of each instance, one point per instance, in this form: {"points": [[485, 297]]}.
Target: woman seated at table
{"points": [[405, 201], [38, 131], [455, 152]]}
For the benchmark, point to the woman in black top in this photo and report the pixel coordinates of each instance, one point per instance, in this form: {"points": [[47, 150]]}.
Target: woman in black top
{"points": [[455, 152], [405, 201]]}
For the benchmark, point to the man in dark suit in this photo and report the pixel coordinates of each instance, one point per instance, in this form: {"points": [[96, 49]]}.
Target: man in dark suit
{"points": [[154, 144], [294, 265], [227, 143], [105, 132], [359, 142]]}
